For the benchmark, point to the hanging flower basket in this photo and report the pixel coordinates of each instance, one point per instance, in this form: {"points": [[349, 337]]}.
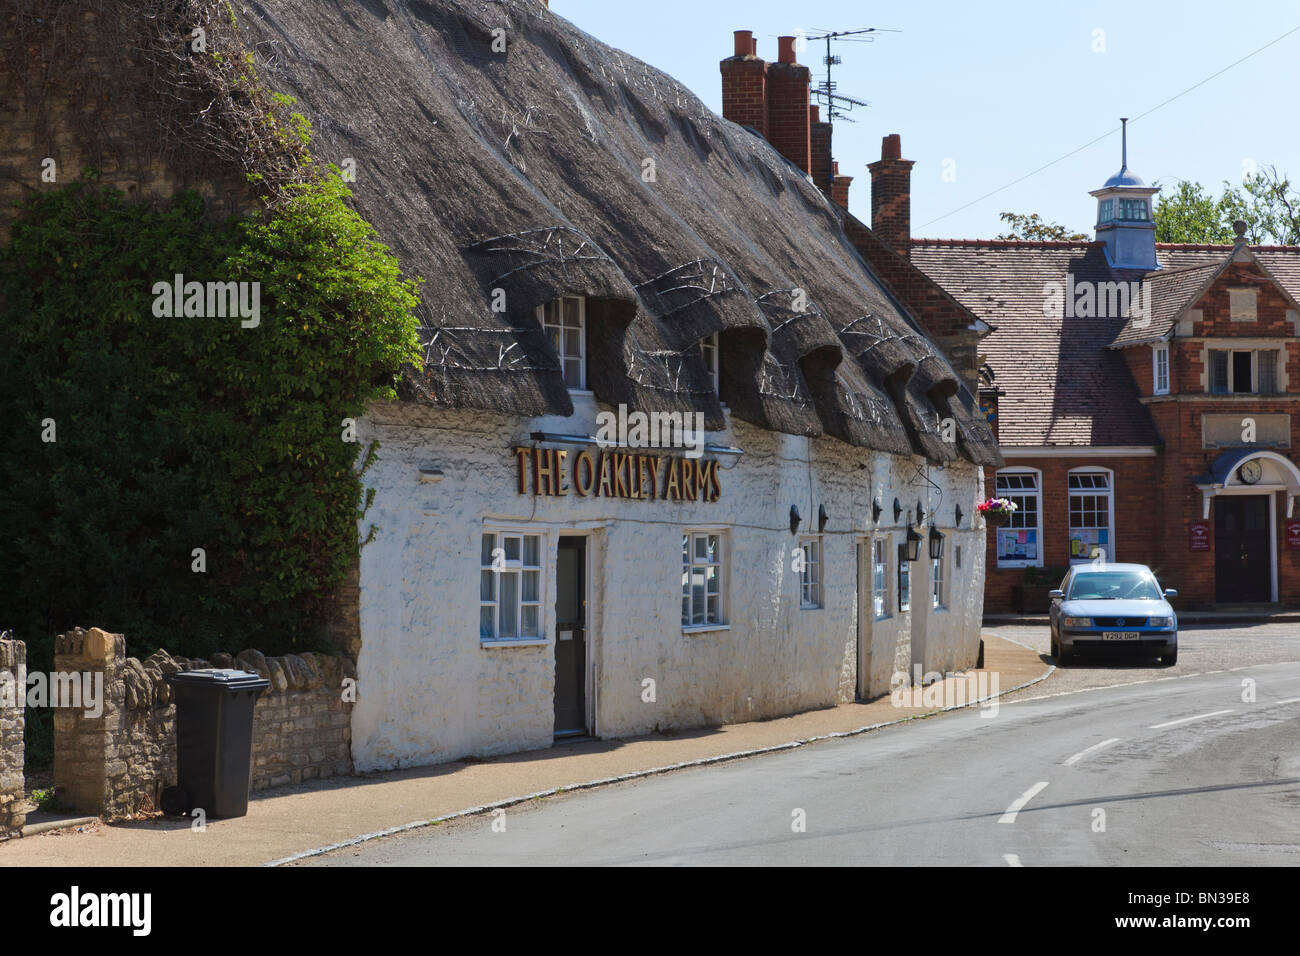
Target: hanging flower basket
{"points": [[996, 511]]}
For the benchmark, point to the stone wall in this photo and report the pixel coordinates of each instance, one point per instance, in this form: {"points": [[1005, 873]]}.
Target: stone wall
{"points": [[118, 762], [13, 678]]}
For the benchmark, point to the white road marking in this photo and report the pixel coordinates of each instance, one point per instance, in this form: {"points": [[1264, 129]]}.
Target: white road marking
{"points": [[1010, 815], [1012, 860], [1289, 700], [1188, 720], [1083, 753]]}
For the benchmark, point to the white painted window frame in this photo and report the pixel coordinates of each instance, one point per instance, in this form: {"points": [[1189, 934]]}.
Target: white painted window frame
{"points": [[880, 608], [1159, 362], [513, 567], [811, 586], [689, 563], [1038, 527], [710, 350], [1109, 494], [560, 350]]}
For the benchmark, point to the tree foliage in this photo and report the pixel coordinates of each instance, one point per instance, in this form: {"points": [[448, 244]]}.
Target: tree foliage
{"points": [[1265, 201], [1032, 226], [173, 434]]}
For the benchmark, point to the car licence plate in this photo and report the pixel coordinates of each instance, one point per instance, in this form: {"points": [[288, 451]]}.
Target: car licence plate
{"points": [[1119, 635]]}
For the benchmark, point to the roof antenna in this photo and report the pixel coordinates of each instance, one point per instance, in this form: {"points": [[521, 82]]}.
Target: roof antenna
{"points": [[1123, 135]]}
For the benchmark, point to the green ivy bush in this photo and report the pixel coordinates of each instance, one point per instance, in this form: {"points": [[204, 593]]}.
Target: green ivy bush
{"points": [[173, 434]]}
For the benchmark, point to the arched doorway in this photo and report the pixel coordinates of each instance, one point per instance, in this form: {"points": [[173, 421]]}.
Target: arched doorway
{"points": [[1244, 486]]}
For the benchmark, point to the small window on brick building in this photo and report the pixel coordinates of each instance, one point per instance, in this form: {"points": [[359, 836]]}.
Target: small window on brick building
{"points": [[1019, 540], [1160, 368], [1266, 367], [1241, 305]]}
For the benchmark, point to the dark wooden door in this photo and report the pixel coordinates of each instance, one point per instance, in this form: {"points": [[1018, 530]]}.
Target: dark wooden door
{"points": [[1242, 564], [571, 637]]}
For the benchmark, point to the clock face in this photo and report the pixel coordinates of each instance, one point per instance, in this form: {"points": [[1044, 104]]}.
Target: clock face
{"points": [[1251, 472]]}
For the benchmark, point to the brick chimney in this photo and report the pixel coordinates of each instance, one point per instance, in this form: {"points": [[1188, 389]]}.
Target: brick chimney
{"points": [[744, 84], [840, 186], [819, 139], [788, 114], [891, 196]]}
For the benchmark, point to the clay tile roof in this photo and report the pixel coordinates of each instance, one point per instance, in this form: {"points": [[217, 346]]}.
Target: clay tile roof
{"points": [[1061, 385]]}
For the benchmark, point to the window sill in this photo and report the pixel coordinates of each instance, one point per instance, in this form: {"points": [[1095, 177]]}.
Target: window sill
{"points": [[514, 642], [812, 607], [704, 628], [884, 617]]}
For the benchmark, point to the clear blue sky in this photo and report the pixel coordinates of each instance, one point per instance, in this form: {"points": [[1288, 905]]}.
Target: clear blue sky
{"points": [[1001, 88]]}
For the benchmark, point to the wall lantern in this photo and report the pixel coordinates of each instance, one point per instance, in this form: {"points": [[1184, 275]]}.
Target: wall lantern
{"points": [[912, 549], [958, 521], [822, 518], [875, 512], [898, 510], [794, 519], [936, 543]]}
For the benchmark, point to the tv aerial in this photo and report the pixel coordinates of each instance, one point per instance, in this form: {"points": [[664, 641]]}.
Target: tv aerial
{"points": [[839, 105]]}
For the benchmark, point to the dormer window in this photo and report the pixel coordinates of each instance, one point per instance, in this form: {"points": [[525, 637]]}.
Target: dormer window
{"points": [[709, 353], [1133, 210], [564, 321]]}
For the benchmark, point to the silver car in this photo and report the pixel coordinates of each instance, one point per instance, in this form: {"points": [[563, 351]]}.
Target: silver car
{"points": [[1114, 608]]}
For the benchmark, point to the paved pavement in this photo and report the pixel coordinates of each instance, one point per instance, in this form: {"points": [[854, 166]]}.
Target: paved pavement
{"points": [[1170, 772], [286, 822]]}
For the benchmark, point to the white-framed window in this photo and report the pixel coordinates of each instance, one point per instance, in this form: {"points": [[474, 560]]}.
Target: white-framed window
{"points": [[1242, 305], [703, 596], [1091, 506], [709, 353], [1160, 368], [810, 577], [1020, 540], [510, 587], [1243, 371], [880, 578], [1106, 210], [564, 321], [938, 596], [904, 580]]}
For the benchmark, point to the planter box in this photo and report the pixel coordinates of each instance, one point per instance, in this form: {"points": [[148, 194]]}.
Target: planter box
{"points": [[1030, 598]]}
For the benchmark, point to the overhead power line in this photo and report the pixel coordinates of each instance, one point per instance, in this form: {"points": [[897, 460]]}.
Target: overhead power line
{"points": [[1110, 132]]}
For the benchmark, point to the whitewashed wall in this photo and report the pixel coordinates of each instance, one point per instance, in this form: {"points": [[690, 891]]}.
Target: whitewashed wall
{"points": [[429, 692]]}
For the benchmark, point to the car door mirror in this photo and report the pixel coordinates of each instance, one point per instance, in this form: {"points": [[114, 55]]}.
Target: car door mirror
{"points": [[1171, 592], [1056, 594]]}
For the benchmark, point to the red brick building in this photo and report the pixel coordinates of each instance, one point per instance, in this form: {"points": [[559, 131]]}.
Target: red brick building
{"points": [[1144, 396]]}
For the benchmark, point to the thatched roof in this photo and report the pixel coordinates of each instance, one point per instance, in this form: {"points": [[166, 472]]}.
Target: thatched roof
{"points": [[563, 166]]}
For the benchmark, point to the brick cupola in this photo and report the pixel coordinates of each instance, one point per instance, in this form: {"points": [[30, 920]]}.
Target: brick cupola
{"points": [[891, 195]]}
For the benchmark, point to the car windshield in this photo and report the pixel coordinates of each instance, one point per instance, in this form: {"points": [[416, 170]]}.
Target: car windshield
{"points": [[1114, 586]]}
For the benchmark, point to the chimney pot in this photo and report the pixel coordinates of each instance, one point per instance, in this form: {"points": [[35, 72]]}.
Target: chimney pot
{"points": [[753, 47], [785, 49], [745, 43], [891, 147], [891, 196]]}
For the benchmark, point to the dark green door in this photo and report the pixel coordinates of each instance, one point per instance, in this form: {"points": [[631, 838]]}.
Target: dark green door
{"points": [[1242, 564], [571, 637]]}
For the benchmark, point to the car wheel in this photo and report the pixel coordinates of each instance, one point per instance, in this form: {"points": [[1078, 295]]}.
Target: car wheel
{"points": [[1063, 657], [1169, 659], [1055, 648]]}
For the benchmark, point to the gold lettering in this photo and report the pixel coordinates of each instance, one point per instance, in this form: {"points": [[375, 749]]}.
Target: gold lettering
{"points": [[606, 487], [584, 460], [672, 490], [522, 454], [561, 486]]}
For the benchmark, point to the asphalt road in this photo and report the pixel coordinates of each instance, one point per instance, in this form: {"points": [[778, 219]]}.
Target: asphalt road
{"points": [[1153, 770]]}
